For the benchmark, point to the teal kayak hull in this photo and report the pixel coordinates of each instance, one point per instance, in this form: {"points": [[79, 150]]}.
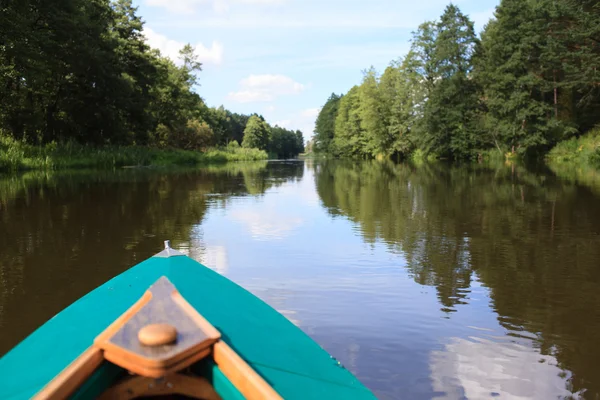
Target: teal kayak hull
{"points": [[290, 361]]}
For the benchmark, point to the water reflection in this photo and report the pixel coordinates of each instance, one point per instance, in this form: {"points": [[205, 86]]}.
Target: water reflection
{"points": [[65, 233], [426, 282], [531, 238], [479, 368]]}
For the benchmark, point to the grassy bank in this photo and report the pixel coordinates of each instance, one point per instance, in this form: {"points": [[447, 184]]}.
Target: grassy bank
{"points": [[582, 151], [16, 156]]}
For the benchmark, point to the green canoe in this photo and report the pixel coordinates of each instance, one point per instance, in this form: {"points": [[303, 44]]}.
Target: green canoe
{"points": [[276, 353]]}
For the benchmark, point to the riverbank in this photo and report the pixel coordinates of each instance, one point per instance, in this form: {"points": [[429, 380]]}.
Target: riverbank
{"points": [[17, 156], [582, 151]]}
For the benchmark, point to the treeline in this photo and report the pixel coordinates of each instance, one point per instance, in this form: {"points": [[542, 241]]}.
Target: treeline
{"points": [[283, 143], [530, 81], [81, 70]]}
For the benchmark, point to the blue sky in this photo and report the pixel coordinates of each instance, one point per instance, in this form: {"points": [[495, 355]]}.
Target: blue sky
{"points": [[283, 58]]}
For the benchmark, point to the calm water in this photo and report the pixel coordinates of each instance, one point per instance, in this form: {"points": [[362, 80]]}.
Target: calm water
{"points": [[433, 281]]}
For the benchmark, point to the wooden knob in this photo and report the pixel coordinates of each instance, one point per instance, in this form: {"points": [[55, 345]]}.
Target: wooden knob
{"points": [[157, 334]]}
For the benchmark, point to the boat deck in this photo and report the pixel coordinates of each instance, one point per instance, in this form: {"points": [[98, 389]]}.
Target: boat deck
{"points": [[292, 363]]}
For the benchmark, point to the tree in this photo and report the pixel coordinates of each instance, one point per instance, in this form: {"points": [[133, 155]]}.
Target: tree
{"points": [[286, 143], [349, 138], [451, 107], [406, 104], [511, 76], [325, 124], [371, 114], [299, 142], [82, 70], [531, 81], [570, 59], [256, 134]]}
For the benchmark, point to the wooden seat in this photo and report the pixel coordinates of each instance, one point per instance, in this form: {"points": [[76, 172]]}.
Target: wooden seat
{"points": [[161, 304], [156, 340]]}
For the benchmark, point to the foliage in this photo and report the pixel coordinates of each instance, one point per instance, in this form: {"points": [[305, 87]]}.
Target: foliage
{"points": [[81, 71], [286, 143], [325, 124], [257, 134], [529, 82], [581, 151], [15, 155], [452, 99], [350, 139]]}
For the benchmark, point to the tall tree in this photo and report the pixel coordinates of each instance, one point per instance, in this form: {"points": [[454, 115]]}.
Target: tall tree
{"points": [[325, 124], [519, 110], [407, 103], [257, 133], [372, 116], [299, 142], [451, 106], [350, 138]]}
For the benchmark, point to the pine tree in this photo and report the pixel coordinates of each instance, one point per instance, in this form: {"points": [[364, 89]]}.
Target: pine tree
{"points": [[519, 114], [452, 100]]}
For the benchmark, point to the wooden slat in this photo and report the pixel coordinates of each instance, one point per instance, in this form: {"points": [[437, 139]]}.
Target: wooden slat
{"points": [[241, 375], [133, 365], [64, 384], [210, 330], [190, 386]]}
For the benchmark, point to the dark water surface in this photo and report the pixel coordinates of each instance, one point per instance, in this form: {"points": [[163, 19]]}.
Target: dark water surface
{"points": [[426, 282]]}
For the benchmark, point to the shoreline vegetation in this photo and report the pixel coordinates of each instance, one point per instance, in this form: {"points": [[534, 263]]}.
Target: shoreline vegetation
{"points": [[583, 151], [80, 88], [16, 156], [525, 87]]}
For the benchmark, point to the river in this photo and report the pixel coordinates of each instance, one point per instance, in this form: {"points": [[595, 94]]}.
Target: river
{"points": [[425, 281]]}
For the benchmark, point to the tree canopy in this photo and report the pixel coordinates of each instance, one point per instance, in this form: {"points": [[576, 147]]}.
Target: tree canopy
{"points": [[81, 70], [257, 133], [529, 81]]}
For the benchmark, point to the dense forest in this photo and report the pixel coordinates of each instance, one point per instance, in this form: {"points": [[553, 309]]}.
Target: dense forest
{"points": [[81, 70], [529, 81]]}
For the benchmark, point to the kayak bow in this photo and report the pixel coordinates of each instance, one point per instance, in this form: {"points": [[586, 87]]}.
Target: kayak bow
{"points": [[169, 325]]}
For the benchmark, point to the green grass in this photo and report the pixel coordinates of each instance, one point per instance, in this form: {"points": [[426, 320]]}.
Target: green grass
{"points": [[419, 156], [584, 150], [17, 156]]}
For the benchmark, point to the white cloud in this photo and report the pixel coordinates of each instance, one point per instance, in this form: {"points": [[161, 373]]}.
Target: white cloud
{"points": [[212, 55], [191, 6], [267, 87], [170, 48]]}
